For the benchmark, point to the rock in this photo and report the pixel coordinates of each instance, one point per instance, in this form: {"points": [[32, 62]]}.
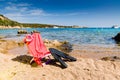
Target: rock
{"points": [[46, 41], [6, 45], [62, 46], [3, 51], [66, 47], [21, 44], [22, 32], [56, 43], [2, 37], [11, 44], [117, 37]]}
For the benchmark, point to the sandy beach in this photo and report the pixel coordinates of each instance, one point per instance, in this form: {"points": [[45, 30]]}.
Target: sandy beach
{"points": [[88, 66], [81, 37]]}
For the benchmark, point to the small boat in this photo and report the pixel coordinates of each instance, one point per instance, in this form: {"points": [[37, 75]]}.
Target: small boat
{"points": [[115, 26], [55, 27]]}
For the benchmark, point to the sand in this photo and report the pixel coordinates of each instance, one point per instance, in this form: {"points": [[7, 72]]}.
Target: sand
{"points": [[88, 66]]}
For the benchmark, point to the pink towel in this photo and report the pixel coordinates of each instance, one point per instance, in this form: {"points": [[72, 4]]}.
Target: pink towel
{"points": [[36, 46]]}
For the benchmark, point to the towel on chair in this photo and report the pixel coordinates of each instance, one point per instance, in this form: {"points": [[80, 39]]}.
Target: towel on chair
{"points": [[36, 47]]}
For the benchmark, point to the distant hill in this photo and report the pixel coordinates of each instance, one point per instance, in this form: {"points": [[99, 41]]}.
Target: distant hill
{"points": [[8, 23], [36, 25], [4, 21]]}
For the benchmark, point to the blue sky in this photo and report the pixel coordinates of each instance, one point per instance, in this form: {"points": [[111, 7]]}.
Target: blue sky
{"points": [[90, 13]]}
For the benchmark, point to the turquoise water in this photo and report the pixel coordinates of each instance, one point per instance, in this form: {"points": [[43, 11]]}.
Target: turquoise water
{"points": [[96, 36]]}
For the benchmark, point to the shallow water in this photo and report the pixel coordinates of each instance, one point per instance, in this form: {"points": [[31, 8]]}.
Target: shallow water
{"points": [[78, 36], [89, 42]]}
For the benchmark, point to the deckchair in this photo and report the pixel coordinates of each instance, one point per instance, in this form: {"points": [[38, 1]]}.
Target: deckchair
{"points": [[39, 51], [36, 47]]}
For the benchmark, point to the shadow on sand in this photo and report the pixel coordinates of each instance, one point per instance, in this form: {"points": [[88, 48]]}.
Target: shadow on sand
{"points": [[26, 60]]}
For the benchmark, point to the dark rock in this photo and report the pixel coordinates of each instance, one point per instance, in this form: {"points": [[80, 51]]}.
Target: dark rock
{"points": [[22, 32], [117, 37], [67, 47]]}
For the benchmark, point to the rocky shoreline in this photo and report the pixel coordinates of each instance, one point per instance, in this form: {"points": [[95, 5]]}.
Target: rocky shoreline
{"points": [[11, 44], [9, 27]]}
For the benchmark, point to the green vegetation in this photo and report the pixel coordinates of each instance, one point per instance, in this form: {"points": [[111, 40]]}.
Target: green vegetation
{"points": [[43, 25], [4, 21], [7, 22], [36, 25]]}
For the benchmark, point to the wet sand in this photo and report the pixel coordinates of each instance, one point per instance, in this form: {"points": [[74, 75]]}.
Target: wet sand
{"points": [[97, 52]]}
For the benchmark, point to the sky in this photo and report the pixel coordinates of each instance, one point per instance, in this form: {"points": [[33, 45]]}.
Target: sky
{"points": [[89, 13]]}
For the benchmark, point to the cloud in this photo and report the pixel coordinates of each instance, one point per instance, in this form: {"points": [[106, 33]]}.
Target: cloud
{"points": [[14, 15], [19, 4], [76, 13], [21, 12], [66, 14], [23, 4], [36, 12], [17, 7], [27, 9], [24, 12], [11, 8], [23, 8]]}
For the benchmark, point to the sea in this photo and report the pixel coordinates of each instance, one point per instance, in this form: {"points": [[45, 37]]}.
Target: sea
{"points": [[76, 36]]}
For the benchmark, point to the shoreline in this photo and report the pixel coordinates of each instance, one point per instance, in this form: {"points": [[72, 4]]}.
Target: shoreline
{"points": [[90, 51], [10, 27]]}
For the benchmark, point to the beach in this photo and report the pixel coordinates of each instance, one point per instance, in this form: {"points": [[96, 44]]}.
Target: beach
{"points": [[88, 66], [59, 39]]}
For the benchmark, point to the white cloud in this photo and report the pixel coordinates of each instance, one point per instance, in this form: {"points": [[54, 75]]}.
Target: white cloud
{"points": [[76, 13], [16, 7], [23, 4], [24, 12], [23, 8], [27, 9], [14, 15], [19, 5], [36, 12], [65, 14], [11, 8]]}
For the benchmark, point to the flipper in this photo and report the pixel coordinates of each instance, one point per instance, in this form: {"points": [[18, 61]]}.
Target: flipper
{"points": [[58, 58], [62, 54]]}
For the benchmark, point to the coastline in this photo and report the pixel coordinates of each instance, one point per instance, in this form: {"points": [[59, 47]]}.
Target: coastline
{"points": [[10, 27], [87, 67]]}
